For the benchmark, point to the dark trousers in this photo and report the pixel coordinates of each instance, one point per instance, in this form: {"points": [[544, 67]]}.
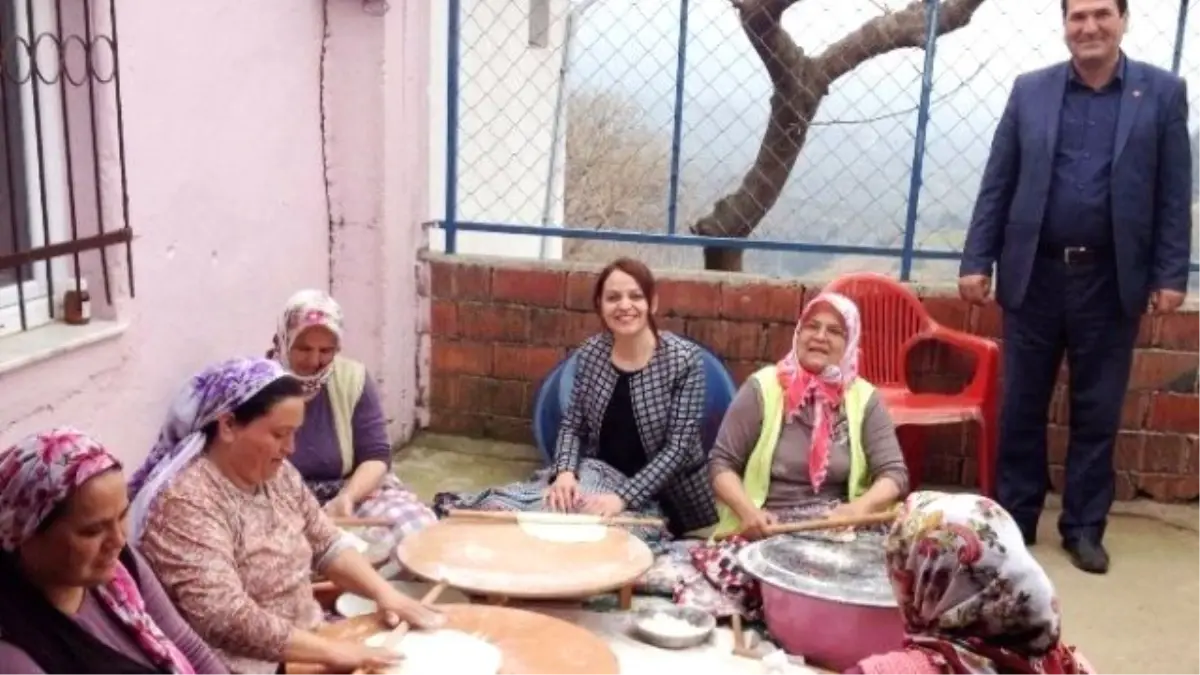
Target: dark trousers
{"points": [[1072, 309]]}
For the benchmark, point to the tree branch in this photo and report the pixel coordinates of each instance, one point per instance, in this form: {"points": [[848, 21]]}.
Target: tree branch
{"points": [[891, 31]]}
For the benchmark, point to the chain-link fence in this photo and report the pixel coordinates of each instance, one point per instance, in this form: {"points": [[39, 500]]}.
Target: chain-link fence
{"points": [[826, 124]]}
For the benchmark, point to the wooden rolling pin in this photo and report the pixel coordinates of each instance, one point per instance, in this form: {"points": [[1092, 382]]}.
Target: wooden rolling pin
{"points": [[362, 522], [827, 524], [550, 517], [392, 641]]}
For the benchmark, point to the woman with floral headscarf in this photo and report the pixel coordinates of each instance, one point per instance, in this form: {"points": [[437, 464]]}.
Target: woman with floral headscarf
{"points": [[973, 599], [74, 598], [342, 449], [802, 439], [227, 524]]}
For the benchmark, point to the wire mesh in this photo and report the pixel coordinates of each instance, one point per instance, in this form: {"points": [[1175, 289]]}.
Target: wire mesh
{"points": [[595, 113]]}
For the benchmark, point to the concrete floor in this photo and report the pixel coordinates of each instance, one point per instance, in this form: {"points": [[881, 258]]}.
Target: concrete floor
{"points": [[1143, 617]]}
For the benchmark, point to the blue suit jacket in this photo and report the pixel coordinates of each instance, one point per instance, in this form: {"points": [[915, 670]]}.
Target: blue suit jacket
{"points": [[1151, 185]]}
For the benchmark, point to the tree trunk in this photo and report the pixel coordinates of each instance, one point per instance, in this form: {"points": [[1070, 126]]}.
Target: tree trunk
{"points": [[800, 83]]}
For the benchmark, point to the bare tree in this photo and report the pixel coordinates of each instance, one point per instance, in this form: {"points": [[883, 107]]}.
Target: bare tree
{"points": [[617, 176], [800, 83]]}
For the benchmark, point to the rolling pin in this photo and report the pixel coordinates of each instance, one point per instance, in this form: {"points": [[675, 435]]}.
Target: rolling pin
{"points": [[550, 517], [362, 522], [392, 641], [826, 524]]}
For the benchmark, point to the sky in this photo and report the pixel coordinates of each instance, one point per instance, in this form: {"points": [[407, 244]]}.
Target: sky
{"points": [[851, 185]]}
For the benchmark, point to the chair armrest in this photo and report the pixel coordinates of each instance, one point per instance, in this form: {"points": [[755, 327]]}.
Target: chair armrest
{"points": [[986, 352]]}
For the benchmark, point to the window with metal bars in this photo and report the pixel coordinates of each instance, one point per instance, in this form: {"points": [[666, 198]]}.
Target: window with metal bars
{"points": [[63, 194]]}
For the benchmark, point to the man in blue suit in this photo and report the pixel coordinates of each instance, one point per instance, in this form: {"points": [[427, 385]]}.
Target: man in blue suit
{"points": [[1084, 215]]}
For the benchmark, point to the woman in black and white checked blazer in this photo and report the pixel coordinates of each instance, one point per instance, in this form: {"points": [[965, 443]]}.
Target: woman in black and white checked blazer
{"points": [[637, 404]]}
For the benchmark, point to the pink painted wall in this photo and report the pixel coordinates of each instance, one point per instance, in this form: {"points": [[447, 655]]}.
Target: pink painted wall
{"points": [[231, 202]]}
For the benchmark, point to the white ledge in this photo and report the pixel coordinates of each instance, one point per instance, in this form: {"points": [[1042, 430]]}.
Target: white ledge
{"points": [[39, 344]]}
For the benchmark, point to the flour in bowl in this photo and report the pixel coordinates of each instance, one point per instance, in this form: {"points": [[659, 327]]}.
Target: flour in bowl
{"points": [[442, 651], [667, 625]]}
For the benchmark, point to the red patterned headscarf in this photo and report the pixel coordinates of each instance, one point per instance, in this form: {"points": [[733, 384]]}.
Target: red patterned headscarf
{"points": [[40, 473], [822, 390]]}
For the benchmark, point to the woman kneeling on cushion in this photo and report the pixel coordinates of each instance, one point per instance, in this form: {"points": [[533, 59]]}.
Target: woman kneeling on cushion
{"points": [[802, 439], [342, 449]]}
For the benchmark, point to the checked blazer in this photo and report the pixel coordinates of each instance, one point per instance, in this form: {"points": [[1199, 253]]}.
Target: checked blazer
{"points": [[668, 404]]}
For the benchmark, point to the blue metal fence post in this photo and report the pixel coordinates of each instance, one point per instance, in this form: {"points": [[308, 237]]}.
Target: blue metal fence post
{"points": [[452, 47], [918, 164], [677, 131], [1177, 57]]}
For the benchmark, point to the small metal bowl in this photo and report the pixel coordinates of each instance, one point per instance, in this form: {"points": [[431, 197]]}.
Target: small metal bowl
{"points": [[701, 621]]}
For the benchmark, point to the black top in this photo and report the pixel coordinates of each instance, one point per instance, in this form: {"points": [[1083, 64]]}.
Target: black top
{"points": [[620, 443]]}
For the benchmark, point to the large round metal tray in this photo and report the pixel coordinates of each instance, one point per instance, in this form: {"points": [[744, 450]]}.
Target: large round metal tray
{"points": [[850, 572]]}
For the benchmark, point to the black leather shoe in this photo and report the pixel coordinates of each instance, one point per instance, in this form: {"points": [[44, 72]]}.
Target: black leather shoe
{"points": [[1088, 556]]}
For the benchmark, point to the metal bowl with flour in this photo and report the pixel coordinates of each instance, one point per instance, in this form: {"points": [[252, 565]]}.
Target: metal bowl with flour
{"points": [[830, 602]]}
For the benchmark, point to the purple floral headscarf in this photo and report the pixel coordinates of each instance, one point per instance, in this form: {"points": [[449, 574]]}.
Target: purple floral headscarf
{"points": [[214, 391]]}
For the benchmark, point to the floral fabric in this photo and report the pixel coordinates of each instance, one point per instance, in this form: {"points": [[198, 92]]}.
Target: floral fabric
{"points": [[823, 391], [214, 391], [39, 473], [304, 310], [973, 598]]}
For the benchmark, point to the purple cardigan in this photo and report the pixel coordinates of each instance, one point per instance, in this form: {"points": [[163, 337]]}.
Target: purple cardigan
{"points": [[318, 457], [95, 619]]}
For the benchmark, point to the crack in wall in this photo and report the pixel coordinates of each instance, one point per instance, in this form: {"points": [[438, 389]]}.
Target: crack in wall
{"points": [[324, 129]]}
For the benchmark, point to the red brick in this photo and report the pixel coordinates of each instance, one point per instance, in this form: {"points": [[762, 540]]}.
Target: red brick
{"points": [[742, 370], [1179, 331], [444, 392], [1146, 330], [1192, 467], [1168, 488], [1058, 477], [946, 439], [941, 470], [1125, 488], [491, 323], [457, 423], [559, 328], [458, 281], [743, 341], [708, 332], [672, 324], [1057, 438], [1155, 369], [689, 298], [511, 429], [581, 287], [538, 288], [467, 358], [986, 320], [506, 398], [779, 340], [524, 363], [766, 302], [1174, 413], [951, 312], [1164, 453], [443, 318], [1134, 410], [1129, 452]]}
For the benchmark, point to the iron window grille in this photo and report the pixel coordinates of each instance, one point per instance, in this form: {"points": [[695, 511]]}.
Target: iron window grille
{"points": [[63, 191]]}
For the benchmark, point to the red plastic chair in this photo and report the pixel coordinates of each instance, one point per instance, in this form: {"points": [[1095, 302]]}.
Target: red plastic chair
{"points": [[894, 322]]}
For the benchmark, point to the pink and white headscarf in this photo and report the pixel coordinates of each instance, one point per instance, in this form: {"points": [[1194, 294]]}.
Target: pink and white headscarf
{"points": [[972, 597], [304, 310], [822, 390], [37, 475]]}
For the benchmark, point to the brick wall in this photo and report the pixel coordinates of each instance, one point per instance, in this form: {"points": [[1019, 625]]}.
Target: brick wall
{"points": [[498, 326]]}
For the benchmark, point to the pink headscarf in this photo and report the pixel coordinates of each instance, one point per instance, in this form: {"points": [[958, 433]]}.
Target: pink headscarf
{"points": [[39, 473], [822, 390], [304, 310]]}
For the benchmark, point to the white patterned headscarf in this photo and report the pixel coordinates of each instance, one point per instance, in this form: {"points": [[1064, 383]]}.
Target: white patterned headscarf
{"points": [[214, 391], [304, 310], [972, 597]]}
